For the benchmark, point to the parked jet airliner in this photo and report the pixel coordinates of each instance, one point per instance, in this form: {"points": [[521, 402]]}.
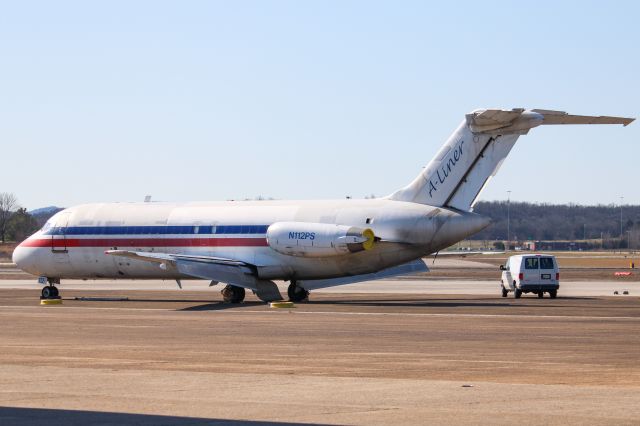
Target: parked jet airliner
{"points": [[311, 244]]}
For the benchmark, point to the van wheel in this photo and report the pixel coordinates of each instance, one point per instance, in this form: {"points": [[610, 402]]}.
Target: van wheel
{"points": [[553, 294], [540, 295], [504, 292], [517, 293]]}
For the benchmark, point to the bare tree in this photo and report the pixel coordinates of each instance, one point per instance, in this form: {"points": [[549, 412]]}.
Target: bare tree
{"points": [[8, 203]]}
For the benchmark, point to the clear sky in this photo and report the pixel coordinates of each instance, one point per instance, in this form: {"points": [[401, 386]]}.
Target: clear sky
{"points": [[114, 100]]}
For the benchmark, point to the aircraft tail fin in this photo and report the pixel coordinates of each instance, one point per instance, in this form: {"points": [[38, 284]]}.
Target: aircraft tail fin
{"points": [[473, 154]]}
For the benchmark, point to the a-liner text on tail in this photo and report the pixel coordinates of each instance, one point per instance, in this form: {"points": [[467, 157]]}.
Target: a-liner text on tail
{"points": [[474, 152]]}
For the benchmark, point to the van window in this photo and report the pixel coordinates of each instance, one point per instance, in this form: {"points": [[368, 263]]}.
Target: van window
{"points": [[531, 263], [546, 263]]}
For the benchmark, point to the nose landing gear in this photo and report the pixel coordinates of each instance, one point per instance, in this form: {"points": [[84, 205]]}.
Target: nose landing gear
{"points": [[49, 291]]}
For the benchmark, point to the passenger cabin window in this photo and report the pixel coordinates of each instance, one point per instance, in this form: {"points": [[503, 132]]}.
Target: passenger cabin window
{"points": [[546, 263], [531, 263]]}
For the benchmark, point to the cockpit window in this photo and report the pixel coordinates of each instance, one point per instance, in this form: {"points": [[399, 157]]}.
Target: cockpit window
{"points": [[46, 227]]}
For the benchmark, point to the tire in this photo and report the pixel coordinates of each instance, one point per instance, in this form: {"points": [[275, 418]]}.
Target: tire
{"points": [[517, 293], [47, 292], [233, 294], [504, 292], [553, 294], [540, 294], [297, 293], [55, 290]]}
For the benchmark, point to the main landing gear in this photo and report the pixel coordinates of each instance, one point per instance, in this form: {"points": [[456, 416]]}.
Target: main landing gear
{"points": [[232, 294], [50, 291], [297, 293]]}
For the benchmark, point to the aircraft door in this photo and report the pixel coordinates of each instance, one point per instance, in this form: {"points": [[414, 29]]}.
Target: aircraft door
{"points": [[59, 234]]}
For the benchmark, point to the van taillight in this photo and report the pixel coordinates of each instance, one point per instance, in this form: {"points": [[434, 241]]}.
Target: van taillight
{"points": [[521, 276], [557, 276]]}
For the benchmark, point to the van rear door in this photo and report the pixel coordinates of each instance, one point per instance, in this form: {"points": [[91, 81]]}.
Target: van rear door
{"points": [[547, 270], [531, 272]]}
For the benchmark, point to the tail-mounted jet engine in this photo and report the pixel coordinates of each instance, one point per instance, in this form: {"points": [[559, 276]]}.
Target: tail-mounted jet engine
{"points": [[318, 239]]}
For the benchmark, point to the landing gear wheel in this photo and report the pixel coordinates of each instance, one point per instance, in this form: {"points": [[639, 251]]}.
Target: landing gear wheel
{"points": [[517, 293], [50, 292], [297, 293], [504, 292], [233, 294], [540, 295], [553, 294]]}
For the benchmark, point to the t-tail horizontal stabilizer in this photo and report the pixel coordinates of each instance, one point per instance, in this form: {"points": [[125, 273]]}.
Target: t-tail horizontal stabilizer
{"points": [[475, 151], [520, 121]]}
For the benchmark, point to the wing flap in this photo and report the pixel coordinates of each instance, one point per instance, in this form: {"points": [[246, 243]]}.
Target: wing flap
{"points": [[241, 276]]}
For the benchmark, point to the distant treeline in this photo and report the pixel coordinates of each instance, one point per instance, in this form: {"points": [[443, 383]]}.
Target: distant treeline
{"points": [[532, 221]]}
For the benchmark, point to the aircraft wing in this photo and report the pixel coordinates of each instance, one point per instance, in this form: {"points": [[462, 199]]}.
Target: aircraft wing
{"points": [[229, 271], [164, 257]]}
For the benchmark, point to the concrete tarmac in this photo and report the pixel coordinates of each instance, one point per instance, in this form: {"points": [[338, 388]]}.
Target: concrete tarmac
{"points": [[361, 357], [392, 286]]}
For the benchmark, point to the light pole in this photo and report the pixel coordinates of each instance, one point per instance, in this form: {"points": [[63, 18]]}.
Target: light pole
{"points": [[621, 199], [508, 219]]}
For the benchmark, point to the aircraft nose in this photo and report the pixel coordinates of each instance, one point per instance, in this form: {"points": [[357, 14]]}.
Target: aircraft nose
{"points": [[22, 257]]}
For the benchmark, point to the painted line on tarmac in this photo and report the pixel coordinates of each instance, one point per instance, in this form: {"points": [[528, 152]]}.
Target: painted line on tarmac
{"points": [[410, 314], [95, 308], [266, 310]]}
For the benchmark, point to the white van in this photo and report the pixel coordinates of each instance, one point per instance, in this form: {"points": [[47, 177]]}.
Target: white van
{"points": [[530, 273]]}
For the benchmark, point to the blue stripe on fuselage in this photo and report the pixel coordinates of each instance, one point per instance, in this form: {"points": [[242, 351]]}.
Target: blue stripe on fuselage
{"points": [[157, 230]]}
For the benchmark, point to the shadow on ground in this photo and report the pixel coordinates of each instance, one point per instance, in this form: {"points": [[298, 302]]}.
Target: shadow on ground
{"points": [[10, 416], [359, 301], [219, 306], [450, 303]]}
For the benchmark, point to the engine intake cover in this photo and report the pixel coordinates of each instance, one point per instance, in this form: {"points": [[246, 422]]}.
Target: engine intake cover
{"points": [[318, 239]]}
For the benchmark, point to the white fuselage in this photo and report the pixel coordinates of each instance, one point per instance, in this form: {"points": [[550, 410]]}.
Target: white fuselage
{"points": [[73, 243]]}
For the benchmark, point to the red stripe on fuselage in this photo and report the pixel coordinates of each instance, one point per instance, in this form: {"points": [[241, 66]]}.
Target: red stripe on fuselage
{"points": [[146, 242]]}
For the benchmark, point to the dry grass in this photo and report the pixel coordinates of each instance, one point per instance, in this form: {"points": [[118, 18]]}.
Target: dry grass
{"points": [[574, 266], [573, 259], [6, 250]]}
